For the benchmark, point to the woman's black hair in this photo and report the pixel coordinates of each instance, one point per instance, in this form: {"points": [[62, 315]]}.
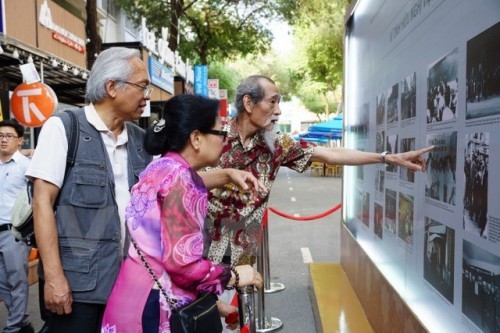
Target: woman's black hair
{"points": [[182, 114]]}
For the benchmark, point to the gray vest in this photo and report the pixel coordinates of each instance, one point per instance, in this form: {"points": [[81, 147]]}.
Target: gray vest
{"points": [[87, 214]]}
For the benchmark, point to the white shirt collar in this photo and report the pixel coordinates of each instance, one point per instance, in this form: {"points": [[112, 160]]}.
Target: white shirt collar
{"points": [[95, 120]]}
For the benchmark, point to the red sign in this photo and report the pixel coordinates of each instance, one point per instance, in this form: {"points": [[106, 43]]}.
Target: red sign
{"points": [[67, 41], [33, 103], [223, 108]]}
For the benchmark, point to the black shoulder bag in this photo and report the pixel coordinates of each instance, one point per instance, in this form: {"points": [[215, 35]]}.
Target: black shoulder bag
{"points": [[22, 213], [200, 316]]}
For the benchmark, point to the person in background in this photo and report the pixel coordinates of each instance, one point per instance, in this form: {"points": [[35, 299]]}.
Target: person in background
{"points": [[234, 220], [165, 217], [14, 288]]}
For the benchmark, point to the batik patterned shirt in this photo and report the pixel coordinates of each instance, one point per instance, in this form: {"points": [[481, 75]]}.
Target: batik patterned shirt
{"points": [[234, 217]]}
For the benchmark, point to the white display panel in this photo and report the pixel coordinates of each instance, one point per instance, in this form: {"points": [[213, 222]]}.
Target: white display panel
{"points": [[419, 73]]}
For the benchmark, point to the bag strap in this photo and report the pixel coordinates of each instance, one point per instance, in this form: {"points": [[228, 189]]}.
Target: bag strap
{"points": [[73, 141], [72, 135], [172, 302]]}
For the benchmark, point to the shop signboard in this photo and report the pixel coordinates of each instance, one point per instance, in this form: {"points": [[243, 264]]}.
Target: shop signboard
{"points": [[33, 103], [161, 75], [59, 33], [2, 30]]}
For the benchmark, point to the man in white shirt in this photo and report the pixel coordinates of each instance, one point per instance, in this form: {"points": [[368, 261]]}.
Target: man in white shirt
{"points": [[14, 288]]}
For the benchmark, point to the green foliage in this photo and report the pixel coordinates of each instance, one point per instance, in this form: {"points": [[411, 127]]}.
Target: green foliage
{"points": [[318, 66], [228, 78], [214, 30]]}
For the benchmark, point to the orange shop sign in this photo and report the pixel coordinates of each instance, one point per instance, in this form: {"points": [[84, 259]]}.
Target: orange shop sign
{"points": [[33, 103]]}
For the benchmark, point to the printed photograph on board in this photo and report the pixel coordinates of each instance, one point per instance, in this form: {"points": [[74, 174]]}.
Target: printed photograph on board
{"points": [[476, 160], [380, 141], [380, 109], [483, 74], [406, 174], [441, 167], [378, 220], [363, 207], [390, 210], [379, 185], [442, 89], [409, 97], [405, 218], [439, 262], [392, 105], [481, 287], [392, 148]]}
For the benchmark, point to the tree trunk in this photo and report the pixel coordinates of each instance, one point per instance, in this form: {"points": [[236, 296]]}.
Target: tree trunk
{"points": [[94, 39], [327, 107], [175, 13]]}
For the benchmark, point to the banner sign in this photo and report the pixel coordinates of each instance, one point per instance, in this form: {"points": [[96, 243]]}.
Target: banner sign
{"points": [[201, 80]]}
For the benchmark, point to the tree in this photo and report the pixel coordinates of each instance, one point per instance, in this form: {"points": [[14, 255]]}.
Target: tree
{"points": [[318, 68], [213, 30], [94, 39]]}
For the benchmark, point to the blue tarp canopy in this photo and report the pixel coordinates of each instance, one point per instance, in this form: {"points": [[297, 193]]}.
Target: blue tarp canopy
{"points": [[331, 129]]}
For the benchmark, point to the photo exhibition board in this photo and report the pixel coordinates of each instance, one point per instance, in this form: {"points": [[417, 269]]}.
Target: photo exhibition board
{"points": [[421, 73]]}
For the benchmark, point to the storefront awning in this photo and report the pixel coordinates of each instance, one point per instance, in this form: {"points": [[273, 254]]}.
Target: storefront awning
{"points": [[68, 85]]}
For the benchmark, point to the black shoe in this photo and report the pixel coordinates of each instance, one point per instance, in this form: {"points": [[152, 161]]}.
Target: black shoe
{"points": [[27, 329], [44, 329]]}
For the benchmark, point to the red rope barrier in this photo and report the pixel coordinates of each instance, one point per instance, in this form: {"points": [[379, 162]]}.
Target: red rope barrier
{"points": [[303, 218]]}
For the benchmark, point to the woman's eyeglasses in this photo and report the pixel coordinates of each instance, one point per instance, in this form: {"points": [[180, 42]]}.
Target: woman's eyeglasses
{"points": [[218, 132]]}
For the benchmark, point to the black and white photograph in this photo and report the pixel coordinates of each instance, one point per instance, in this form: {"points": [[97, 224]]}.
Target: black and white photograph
{"points": [[392, 104], [379, 184], [380, 109], [405, 174], [405, 218], [378, 219], [390, 210], [442, 89], [441, 168], [380, 141], [476, 159], [439, 262], [409, 97], [481, 287], [483, 74], [392, 148]]}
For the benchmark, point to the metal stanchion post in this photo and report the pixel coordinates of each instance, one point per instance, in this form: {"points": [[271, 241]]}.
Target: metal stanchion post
{"points": [[269, 287], [265, 324], [246, 308]]}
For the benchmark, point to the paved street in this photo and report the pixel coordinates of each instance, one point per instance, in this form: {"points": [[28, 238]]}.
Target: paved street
{"points": [[292, 194]]}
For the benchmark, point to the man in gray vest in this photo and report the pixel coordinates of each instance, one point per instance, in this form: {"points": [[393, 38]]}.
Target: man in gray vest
{"points": [[81, 245]]}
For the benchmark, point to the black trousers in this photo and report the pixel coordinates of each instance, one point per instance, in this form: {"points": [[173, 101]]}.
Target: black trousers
{"points": [[84, 317]]}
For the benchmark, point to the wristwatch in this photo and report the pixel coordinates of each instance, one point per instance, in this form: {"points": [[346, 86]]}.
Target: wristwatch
{"points": [[382, 157]]}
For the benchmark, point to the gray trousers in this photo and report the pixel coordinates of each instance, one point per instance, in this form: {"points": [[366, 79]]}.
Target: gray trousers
{"points": [[14, 288]]}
